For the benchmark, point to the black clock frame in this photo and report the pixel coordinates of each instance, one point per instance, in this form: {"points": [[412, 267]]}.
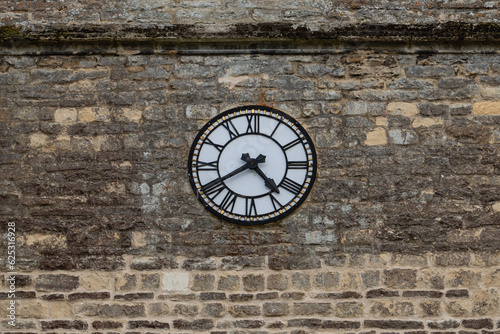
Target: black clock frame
{"points": [[263, 221]]}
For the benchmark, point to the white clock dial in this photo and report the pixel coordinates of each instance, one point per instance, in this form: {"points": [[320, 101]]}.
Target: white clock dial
{"points": [[252, 165]]}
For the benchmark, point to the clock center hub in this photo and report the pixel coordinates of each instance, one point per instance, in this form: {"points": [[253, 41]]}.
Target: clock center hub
{"points": [[249, 183]]}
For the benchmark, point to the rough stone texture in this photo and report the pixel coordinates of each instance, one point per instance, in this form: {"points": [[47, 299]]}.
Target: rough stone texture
{"points": [[100, 101]]}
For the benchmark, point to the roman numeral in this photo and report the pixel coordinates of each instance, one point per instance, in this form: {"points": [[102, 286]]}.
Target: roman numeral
{"points": [[291, 186], [276, 128], [217, 146], [292, 144], [253, 123], [250, 208], [208, 166], [298, 165], [276, 204], [213, 187], [231, 129], [228, 201]]}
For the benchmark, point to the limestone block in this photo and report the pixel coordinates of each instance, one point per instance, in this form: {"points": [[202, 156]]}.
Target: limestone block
{"points": [[402, 108], [486, 108], [175, 281], [96, 281], [65, 116], [376, 137]]}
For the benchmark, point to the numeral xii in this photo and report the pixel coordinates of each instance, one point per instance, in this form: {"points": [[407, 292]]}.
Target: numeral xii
{"points": [[253, 125]]}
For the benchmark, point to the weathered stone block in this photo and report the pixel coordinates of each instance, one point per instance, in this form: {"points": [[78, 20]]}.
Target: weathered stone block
{"points": [[135, 296], [349, 309], [185, 310], [312, 308], [199, 264], [96, 281], [158, 309], [385, 309], [56, 282], [249, 323], [344, 325], [403, 137], [443, 324], [214, 310], [339, 295], [370, 278], [240, 297], [243, 311], [477, 323], [430, 309], [393, 324], [98, 324], [242, 262], [430, 72], [135, 324], [463, 278], [277, 282], [275, 309], [199, 324], [229, 283], [120, 310], [64, 324], [327, 280], [457, 294], [253, 282], [309, 323], [149, 281], [125, 282], [300, 281], [381, 293], [293, 262], [400, 278], [203, 282], [153, 263], [65, 116], [432, 109], [212, 296], [89, 295]]}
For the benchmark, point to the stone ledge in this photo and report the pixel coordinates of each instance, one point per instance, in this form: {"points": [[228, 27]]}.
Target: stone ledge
{"points": [[449, 31]]}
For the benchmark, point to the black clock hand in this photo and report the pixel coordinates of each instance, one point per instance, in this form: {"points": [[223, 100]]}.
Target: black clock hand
{"points": [[254, 164], [267, 181], [245, 157], [227, 176]]}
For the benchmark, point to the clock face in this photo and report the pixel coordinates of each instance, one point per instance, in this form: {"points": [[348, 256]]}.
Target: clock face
{"points": [[252, 165]]}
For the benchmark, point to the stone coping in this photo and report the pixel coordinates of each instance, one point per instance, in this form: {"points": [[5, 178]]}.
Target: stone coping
{"points": [[449, 31]]}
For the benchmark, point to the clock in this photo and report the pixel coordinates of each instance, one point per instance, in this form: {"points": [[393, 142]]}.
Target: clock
{"points": [[252, 165]]}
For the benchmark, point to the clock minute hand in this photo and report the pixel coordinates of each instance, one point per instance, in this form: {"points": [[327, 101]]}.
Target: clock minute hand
{"points": [[245, 157], [227, 176], [267, 181]]}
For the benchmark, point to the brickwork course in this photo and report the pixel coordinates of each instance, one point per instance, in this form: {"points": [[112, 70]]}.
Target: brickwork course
{"points": [[100, 102]]}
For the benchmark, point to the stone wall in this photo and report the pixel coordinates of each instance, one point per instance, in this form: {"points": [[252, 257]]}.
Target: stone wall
{"points": [[310, 12], [400, 233]]}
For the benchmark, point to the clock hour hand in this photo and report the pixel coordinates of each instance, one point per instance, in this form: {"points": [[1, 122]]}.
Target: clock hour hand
{"points": [[254, 164], [267, 181]]}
